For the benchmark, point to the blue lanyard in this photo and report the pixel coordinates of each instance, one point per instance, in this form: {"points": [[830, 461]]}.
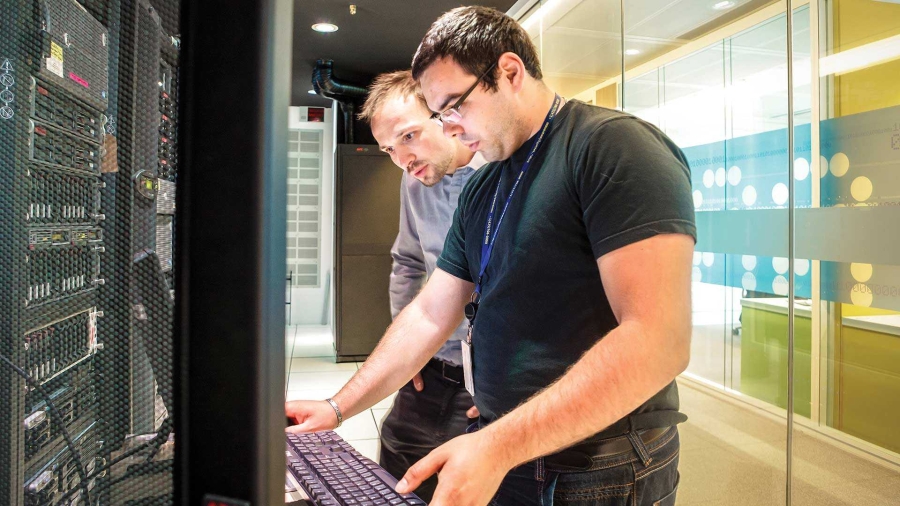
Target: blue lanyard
{"points": [[487, 247]]}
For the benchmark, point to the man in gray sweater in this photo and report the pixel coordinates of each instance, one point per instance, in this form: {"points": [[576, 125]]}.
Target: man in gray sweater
{"points": [[435, 407]]}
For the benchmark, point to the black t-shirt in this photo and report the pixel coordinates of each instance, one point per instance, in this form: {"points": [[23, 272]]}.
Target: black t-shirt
{"points": [[601, 180]]}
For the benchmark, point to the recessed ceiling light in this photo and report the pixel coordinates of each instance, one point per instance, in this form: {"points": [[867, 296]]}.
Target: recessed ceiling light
{"points": [[721, 6], [325, 27], [632, 52], [312, 92]]}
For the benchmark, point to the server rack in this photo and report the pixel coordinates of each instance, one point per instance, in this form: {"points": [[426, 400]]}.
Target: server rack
{"points": [[54, 91], [367, 204], [77, 210], [100, 138]]}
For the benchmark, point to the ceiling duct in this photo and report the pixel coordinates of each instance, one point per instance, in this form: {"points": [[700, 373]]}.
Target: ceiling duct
{"points": [[345, 94]]}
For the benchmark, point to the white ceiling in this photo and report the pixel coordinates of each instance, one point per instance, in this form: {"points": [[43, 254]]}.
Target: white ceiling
{"points": [[580, 41]]}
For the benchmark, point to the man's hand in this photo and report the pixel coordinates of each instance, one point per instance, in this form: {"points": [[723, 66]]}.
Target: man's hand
{"points": [[310, 416], [418, 382], [419, 385], [471, 469]]}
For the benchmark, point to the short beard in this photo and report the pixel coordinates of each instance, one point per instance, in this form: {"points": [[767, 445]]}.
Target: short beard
{"points": [[440, 170]]}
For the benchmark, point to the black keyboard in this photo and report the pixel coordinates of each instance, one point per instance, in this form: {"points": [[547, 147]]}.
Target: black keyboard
{"points": [[333, 473]]}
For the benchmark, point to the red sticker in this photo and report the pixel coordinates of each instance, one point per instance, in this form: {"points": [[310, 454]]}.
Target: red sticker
{"points": [[40, 131], [78, 80], [43, 91]]}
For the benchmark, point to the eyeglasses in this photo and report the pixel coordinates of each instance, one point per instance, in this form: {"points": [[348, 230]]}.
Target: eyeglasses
{"points": [[452, 114]]}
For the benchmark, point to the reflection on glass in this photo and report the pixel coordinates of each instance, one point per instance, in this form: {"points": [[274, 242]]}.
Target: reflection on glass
{"points": [[579, 42], [724, 102], [855, 338]]}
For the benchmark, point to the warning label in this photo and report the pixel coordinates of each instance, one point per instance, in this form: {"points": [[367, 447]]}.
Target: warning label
{"points": [[56, 51]]}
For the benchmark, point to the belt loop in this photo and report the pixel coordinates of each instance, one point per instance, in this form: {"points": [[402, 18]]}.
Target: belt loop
{"points": [[539, 469], [638, 444]]}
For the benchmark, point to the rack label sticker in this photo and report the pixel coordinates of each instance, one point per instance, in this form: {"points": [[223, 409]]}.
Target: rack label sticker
{"points": [[54, 66], [78, 79]]}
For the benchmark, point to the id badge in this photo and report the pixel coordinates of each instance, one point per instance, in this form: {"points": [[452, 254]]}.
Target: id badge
{"points": [[467, 367]]}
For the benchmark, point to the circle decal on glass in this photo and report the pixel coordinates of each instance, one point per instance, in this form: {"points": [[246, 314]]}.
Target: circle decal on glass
{"points": [[734, 176], [801, 169], [748, 281], [780, 264], [749, 262], [861, 272], [861, 295], [861, 188], [840, 164], [780, 194], [780, 285], [749, 196], [720, 176]]}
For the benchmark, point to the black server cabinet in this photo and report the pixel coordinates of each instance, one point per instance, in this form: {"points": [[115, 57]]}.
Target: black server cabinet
{"points": [[77, 213], [367, 211], [53, 96]]}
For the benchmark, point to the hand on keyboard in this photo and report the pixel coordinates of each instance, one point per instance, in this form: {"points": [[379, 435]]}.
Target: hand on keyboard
{"points": [[471, 469], [310, 416]]}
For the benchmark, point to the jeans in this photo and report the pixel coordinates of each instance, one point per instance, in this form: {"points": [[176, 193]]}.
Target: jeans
{"points": [[419, 422], [626, 479]]}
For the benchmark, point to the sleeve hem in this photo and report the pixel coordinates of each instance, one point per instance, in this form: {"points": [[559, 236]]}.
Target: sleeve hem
{"points": [[645, 231], [453, 269]]}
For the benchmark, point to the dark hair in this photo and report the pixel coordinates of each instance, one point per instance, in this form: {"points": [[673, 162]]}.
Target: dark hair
{"points": [[385, 86], [475, 37]]}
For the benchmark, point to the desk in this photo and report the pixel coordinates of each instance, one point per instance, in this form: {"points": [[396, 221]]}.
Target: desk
{"points": [[865, 357], [764, 357]]}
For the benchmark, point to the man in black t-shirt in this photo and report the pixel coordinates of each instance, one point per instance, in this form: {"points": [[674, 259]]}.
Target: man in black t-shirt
{"points": [[577, 243]]}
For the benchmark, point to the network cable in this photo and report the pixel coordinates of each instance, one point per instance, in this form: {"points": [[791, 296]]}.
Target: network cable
{"points": [[76, 456], [137, 449], [113, 462]]}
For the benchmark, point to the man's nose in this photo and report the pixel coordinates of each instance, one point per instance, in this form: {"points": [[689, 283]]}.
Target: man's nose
{"points": [[452, 129], [405, 158]]}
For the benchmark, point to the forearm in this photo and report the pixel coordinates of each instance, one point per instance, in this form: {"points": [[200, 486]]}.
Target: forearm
{"points": [[610, 381], [411, 340]]}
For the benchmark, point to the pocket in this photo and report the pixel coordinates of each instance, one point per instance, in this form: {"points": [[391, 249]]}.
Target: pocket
{"points": [[669, 499]]}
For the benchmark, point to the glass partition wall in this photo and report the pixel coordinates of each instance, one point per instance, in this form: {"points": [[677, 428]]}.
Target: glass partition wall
{"points": [[796, 292]]}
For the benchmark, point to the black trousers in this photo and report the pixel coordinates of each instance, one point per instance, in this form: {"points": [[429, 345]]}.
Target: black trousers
{"points": [[419, 422]]}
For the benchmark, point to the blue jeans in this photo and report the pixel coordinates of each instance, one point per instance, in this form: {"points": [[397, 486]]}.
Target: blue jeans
{"points": [[625, 479]]}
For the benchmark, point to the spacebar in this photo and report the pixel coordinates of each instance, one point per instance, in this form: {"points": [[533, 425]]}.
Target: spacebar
{"points": [[386, 477]]}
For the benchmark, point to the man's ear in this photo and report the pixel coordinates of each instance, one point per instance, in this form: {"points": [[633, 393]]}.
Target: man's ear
{"points": [[512, 70]]}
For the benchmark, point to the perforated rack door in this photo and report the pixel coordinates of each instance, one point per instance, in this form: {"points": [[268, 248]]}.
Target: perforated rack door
{"points": [[85, 327]]}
